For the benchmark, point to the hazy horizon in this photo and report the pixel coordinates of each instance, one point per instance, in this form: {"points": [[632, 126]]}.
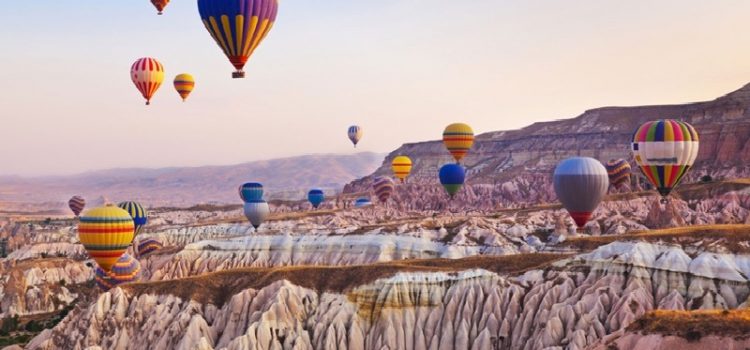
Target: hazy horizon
{"points": [[401, 70]]}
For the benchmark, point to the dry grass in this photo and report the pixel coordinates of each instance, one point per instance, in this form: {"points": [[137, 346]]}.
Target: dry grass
{"points": [[733, 237], [216, 288], [693, 325]]}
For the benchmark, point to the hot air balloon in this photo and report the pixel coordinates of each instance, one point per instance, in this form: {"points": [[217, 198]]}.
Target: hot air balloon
{"points": [[665, 150], [580, 184], [147, 75], [76, 204], [106, 232], [355, 134], [238, 26], [383, 187], [452, 177], [401, 166], [619, 172], [458, 139], [160, 5], [316, 196], [251, 191], [256, 212], [147, 246], [137, 212], [126, 270], [362, 202], [184, 84]]}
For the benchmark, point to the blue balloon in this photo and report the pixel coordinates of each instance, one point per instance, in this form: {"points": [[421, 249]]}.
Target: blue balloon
{"points": [[316, 196], [251, 191], [362, 202], [452, 177]]}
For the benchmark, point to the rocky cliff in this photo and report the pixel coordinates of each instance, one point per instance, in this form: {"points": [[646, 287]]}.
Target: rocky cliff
{"points": [[573, 303], [515, 166]]}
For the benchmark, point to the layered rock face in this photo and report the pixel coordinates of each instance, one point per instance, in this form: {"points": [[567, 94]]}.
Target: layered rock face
{"points": [[41, 286], [518, 164], [572, 305]]}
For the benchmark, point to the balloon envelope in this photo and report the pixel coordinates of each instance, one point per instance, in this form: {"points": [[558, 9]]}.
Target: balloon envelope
{"points": [[147, 246], [238, 26], [137, 212], [618, 171], [580, 184], [383, 188], [251, 191], [184, 84], [362, 202], [355, 134], [76, 204], [315, 197], [257, 212], [160, 5], [106, 232], [452, 177], [665, 150], [125, 270], [401, 167], [458, 139], [147, 74]]}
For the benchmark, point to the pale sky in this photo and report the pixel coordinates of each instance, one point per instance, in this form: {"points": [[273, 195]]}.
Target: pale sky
{"points": [[401, 69]]}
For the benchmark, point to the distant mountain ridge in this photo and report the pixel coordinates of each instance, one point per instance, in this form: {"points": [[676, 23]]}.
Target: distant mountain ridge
{"points": [[185, 186], [531, 152]]}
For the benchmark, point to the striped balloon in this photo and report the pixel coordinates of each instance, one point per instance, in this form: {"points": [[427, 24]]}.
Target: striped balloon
{"points": [[251, 191], [106, 232], [184, 84], [452, 177], [238, 26], [160, 5], [257, 212], [383, 187], [362, 202], [147, 75], [401, 167], [147, 246], [125, 270], [315, 197], [458, 139], [665, 150], [355, 134], [137, 212], [76, 204], [618, 172], [580, 184]]}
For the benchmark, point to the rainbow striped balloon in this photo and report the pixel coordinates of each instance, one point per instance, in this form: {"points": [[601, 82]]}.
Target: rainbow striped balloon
{"points": [[137, 212], [147, 246], [401, 167], [184, 84], [665, 150], [238, 26], [618, 171], [106, 232], [147, 75], [458, 139], [383, 187], [126, 269]]}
